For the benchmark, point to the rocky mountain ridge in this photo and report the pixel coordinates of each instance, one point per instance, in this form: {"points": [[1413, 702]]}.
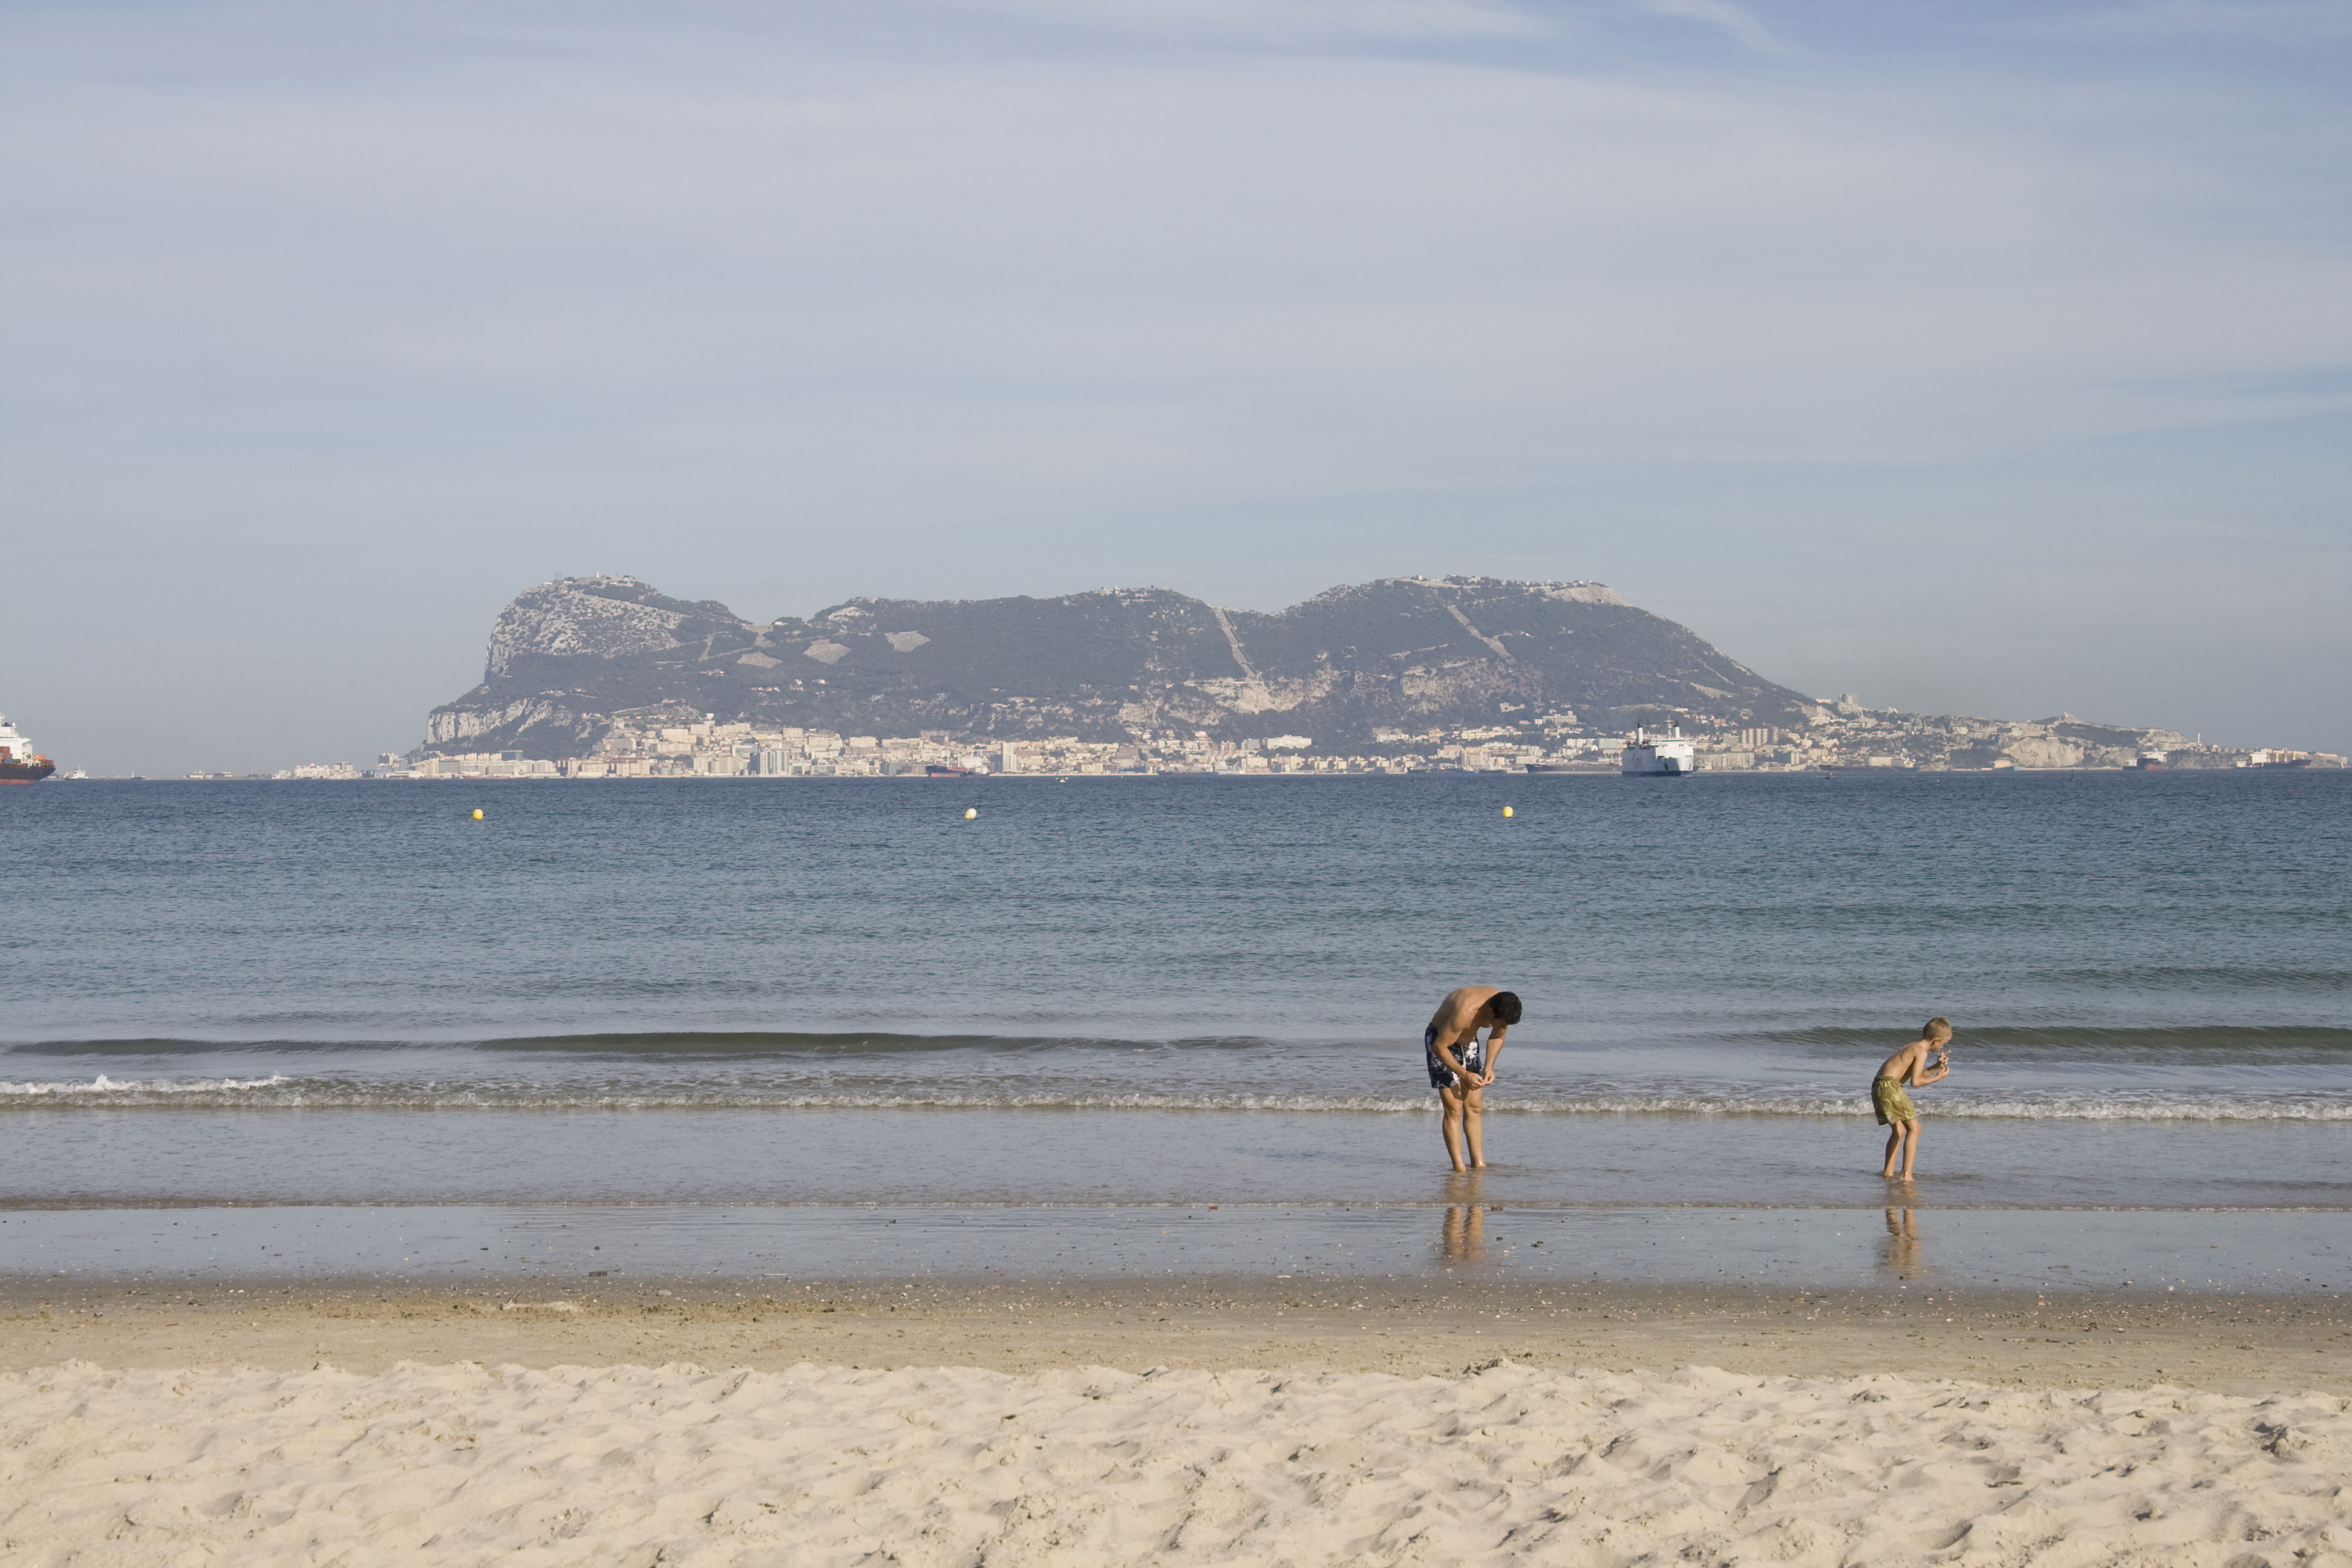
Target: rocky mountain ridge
{"points": [[1394, 668], [569, 657]]}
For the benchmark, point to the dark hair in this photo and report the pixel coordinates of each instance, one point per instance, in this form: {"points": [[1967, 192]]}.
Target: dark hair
{"points": [[1506, 1005]]}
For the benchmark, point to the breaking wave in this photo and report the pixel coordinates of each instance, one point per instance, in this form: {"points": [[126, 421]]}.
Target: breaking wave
{"points": [[280, 1092], [105, 1090], [2016, 1042], [1995, 1041], [661, 1044]]}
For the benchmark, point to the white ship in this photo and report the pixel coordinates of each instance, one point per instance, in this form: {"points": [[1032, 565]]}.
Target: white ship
{"points": [[1658, 756]]}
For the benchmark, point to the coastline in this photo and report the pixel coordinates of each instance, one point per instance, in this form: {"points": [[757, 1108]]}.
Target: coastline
{"points": [[576, 1250], [1603, 770], [2237, 1343]]}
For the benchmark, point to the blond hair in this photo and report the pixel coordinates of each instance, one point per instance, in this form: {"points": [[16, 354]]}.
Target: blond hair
{"points": [[1937, 1029]]}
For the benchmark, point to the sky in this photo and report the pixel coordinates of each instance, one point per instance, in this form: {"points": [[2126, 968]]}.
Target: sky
{"points": [[1975, 357]]}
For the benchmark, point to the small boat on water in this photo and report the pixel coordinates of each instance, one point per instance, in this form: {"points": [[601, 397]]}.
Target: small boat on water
{"points": [[1665, 756], [949, 770], [2153, 762], [19, 764]]}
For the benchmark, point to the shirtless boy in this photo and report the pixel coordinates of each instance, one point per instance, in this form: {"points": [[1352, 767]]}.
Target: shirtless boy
{"points": [[1461, 1066], [1909, 1067]]}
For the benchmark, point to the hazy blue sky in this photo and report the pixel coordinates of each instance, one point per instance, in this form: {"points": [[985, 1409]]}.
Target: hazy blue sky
{"points": [[1972, 356]]}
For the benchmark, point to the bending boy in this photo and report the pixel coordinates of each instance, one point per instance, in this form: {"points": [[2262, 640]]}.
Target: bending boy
{"points": [[1909, 1067], [1460, 1067]]}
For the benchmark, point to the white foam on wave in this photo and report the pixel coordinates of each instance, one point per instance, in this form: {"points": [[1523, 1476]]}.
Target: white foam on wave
{"points": [[2055, 1108], [279, 1091], [104, 1085]]}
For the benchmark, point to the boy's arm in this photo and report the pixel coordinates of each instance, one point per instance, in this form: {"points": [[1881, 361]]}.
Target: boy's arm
{"points": [[1920, 1077], [1493, 1049]]}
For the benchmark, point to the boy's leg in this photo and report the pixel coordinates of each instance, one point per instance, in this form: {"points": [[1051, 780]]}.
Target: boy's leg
{"points": [[1449, 1105], [1910, 1147], [1893, 1147], [1474, 1126]]}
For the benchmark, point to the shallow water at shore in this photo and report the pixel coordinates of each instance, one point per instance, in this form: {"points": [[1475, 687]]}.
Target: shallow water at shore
{"points": [[1031, 1158], [575, 1248]]}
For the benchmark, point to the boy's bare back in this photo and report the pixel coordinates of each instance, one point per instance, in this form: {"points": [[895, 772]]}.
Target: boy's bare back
{"points": [[1457, 1015]]}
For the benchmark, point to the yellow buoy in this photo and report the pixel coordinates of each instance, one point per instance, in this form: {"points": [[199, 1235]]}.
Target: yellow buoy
{"points": [[1507, 811], [969, 812], [477, 814]]}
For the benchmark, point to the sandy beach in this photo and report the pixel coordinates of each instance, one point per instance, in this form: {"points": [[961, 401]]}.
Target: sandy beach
{"points": [[1195, 1421]]}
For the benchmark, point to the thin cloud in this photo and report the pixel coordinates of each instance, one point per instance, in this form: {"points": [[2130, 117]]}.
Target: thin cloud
{"points": [[1280, 22], [1725, 15]]}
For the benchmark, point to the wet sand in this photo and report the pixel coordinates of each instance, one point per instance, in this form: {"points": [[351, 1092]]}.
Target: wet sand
{"points": [[2250, 1344]]}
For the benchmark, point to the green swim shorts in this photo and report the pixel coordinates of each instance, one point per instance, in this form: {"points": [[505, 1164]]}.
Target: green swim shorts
{"points": [[1888, 1098]]}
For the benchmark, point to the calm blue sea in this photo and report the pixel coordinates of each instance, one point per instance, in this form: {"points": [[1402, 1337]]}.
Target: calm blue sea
{"points": [[1126, 992]]}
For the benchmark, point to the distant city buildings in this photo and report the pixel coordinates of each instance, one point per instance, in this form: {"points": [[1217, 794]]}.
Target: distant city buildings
{"points": [[1842, 735]]}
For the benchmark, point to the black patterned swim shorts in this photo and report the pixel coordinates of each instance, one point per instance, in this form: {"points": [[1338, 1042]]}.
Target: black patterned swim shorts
{"points": [[1472, 1052]]}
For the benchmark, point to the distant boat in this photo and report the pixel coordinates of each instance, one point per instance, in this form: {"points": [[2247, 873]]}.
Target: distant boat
{"points": [[19, 764], [2153, 762], [948, 771], [1660, 756], [2287, 763]]}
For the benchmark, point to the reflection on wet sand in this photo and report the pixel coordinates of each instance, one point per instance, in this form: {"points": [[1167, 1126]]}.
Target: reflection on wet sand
{"points": [[1463, 1238], [1903, 1242]]}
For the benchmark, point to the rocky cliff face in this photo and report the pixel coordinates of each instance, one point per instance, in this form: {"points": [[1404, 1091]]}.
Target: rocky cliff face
{"points": [[606, 616], [1415, 653]]}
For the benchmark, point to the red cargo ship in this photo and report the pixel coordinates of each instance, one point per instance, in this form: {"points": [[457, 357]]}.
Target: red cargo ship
{"points": [[19, 764]]}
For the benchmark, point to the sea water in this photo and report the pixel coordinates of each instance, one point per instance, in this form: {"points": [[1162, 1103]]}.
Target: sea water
{"points": [[1117, 993]]}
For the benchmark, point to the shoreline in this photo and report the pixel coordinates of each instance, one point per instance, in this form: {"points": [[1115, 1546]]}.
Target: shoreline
{"points": [[2234, 1343], [572, 1248]]}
